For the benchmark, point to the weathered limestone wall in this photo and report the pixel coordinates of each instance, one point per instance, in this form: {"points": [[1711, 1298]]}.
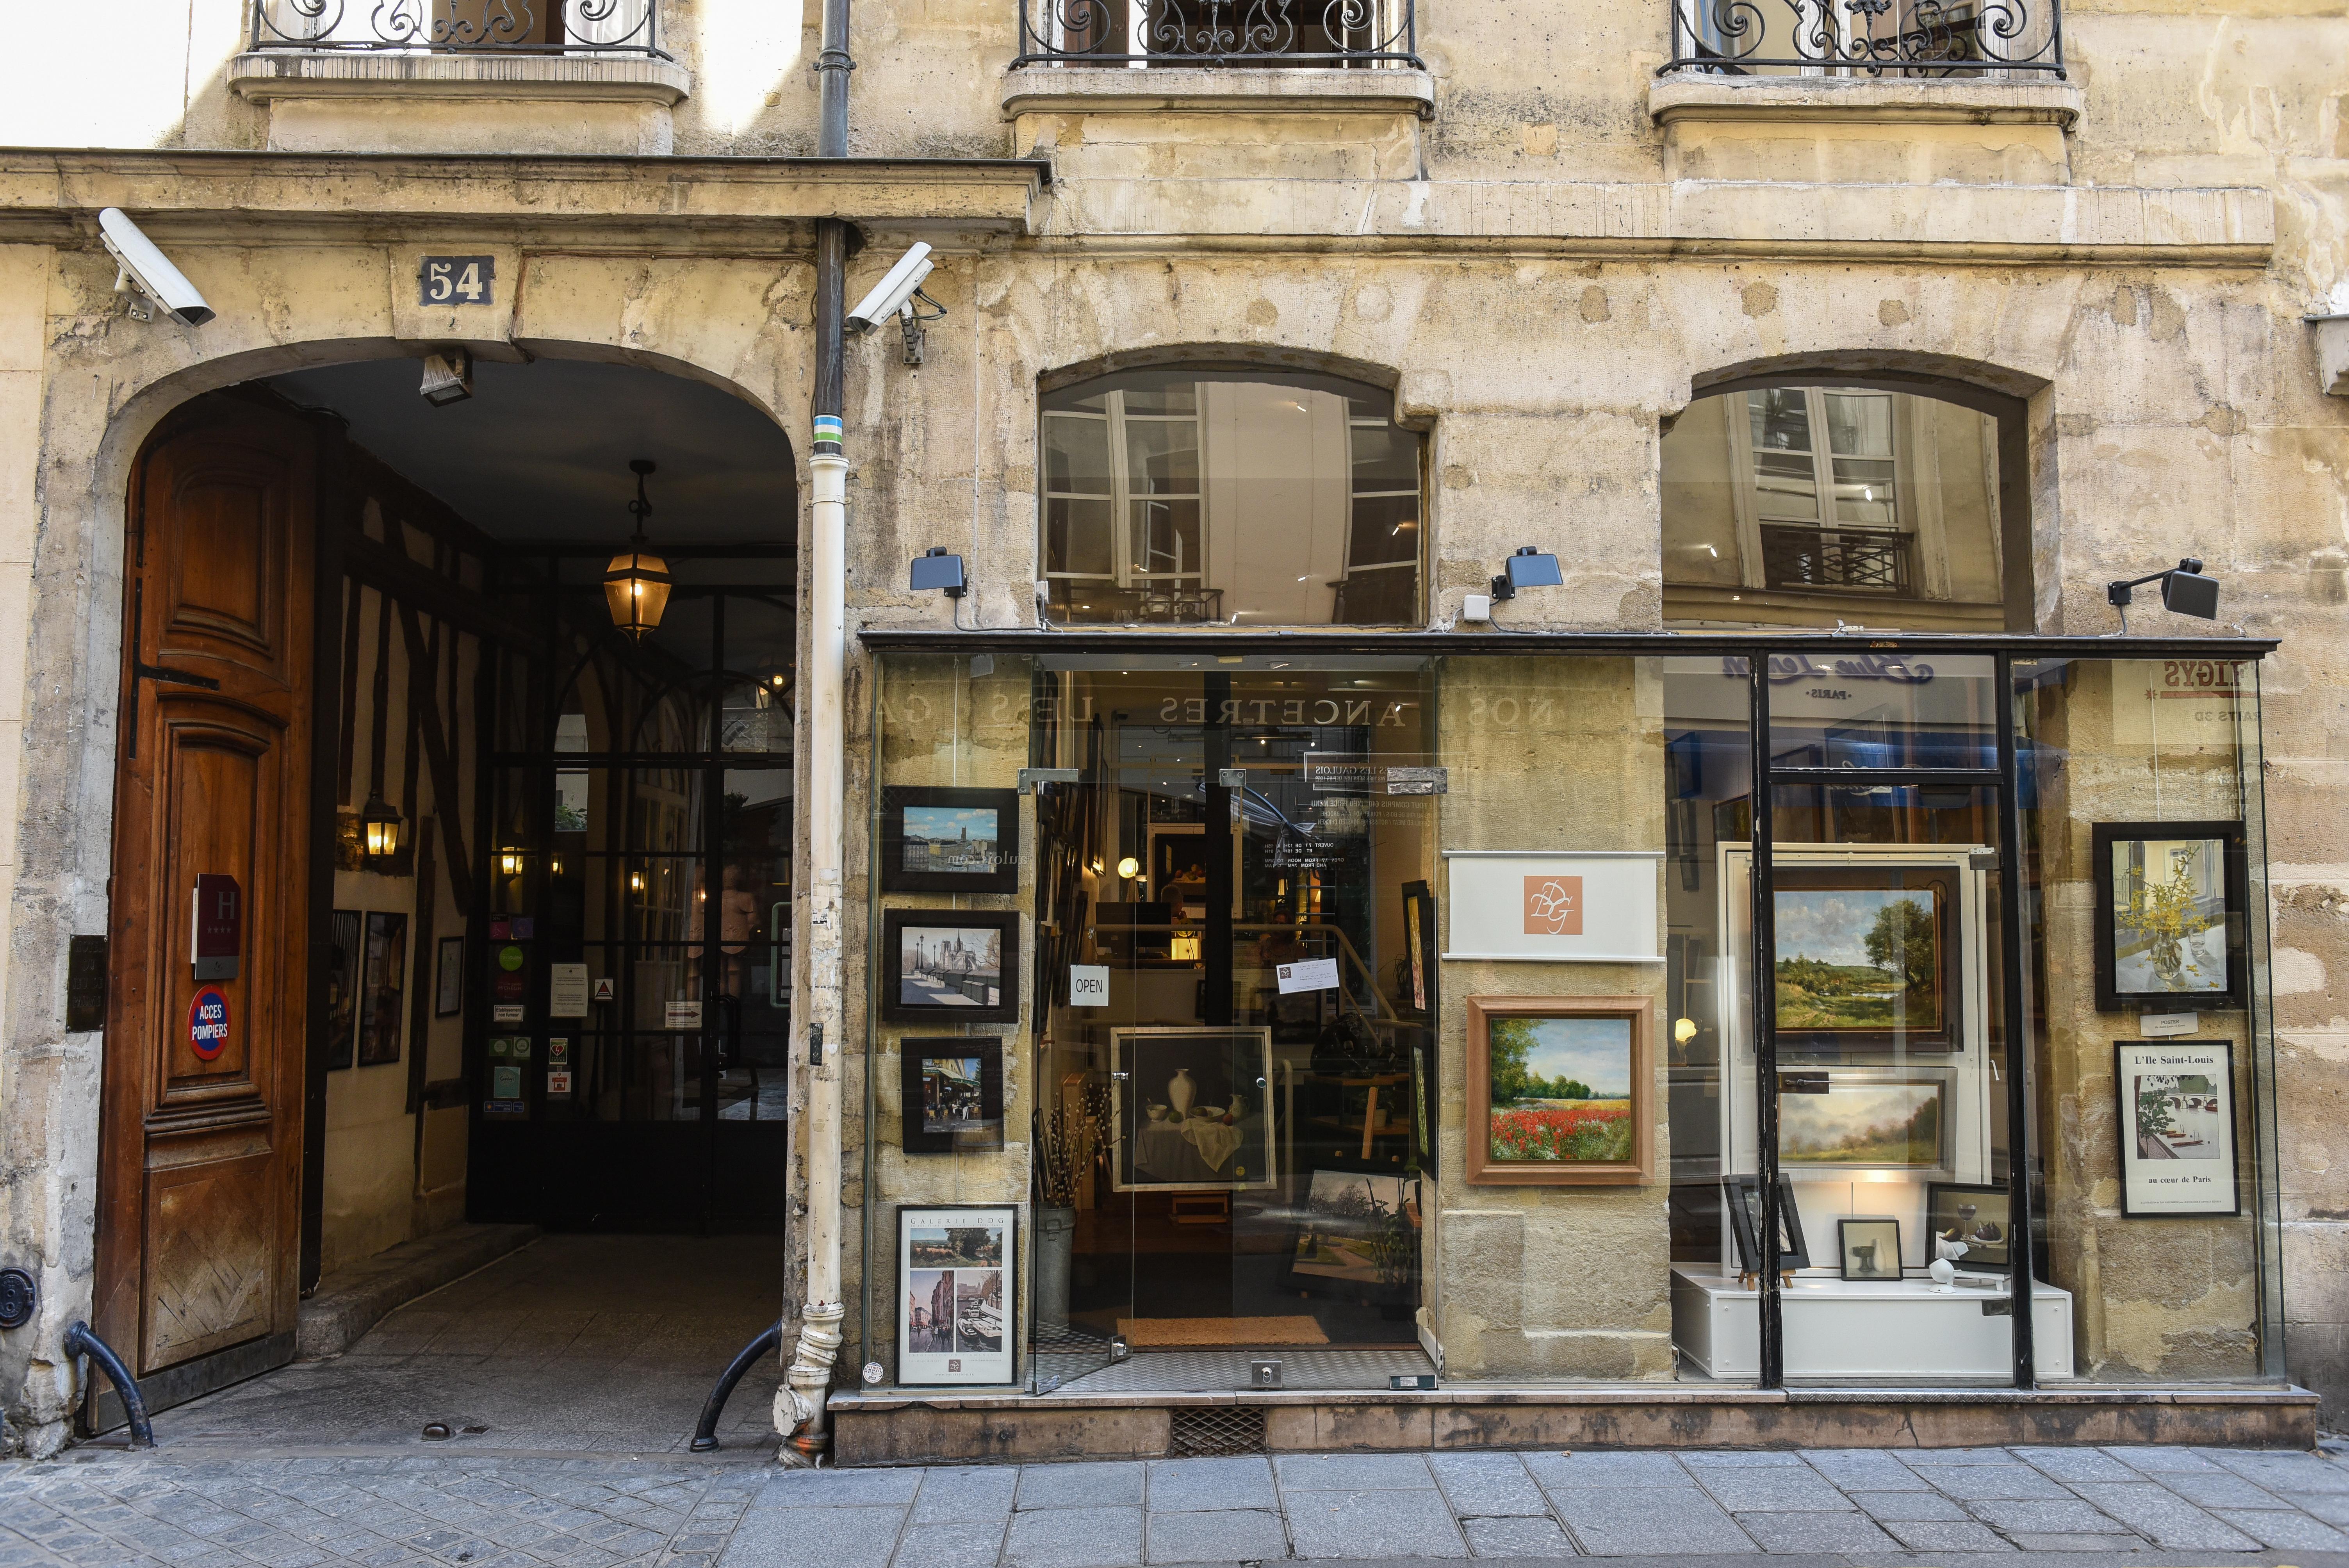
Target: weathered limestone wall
{"points": [[1551, 1282]]}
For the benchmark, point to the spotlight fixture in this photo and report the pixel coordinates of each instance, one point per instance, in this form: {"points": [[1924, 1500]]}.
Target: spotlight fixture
{"points": [[1528, 568], [936, 570], [1129, 868], [2185, 590], [448, 376], [637, 585], [379, 827]]}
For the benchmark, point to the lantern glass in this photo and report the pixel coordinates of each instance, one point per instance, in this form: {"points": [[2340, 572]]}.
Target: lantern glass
{"points": [[379, 827], [636, 589]]}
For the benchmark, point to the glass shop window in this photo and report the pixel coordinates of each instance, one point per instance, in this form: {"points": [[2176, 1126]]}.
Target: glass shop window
{"points": [[1826, 505], [1189, 497]]}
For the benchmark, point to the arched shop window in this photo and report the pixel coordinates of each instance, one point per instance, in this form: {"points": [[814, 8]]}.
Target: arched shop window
{"points": [[1243, 497], [1814, 503]]}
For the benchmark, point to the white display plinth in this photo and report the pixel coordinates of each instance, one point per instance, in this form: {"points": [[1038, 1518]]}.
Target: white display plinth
{"points": [[1848, 1328]]}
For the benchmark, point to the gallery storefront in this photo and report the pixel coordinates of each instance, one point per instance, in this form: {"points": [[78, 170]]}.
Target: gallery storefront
{"points": [[1436, 1018]]}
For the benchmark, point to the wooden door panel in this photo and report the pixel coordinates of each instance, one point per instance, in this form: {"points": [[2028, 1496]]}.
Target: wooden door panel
{"points": [[199, 1171], [213, 1256]]}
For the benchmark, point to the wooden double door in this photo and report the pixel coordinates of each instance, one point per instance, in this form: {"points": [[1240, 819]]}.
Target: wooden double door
{"points": [[203, 1079]]}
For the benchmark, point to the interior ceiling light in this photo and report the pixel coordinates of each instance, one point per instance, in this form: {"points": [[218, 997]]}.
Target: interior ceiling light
{"points": [[637, 585]]}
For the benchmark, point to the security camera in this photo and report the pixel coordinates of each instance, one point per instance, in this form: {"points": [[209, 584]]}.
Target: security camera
{"points": [[894, 292], [148, 274]]}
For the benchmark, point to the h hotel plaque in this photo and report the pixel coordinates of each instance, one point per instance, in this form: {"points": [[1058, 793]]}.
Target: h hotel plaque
{"points": [[216, 934]]}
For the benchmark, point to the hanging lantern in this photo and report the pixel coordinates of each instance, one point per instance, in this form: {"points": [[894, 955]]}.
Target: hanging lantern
{"points": [[637, 585], [380, 828]]}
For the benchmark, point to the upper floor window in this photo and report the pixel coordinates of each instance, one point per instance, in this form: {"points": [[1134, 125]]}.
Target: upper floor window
{"points": [[1243, 497], [1339, 33], [1812, 504], [496, 26]]}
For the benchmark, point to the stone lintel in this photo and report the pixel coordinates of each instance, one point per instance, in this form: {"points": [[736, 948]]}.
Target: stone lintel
{"points": [[1206, 89], [264, 75], [1861, 100]]}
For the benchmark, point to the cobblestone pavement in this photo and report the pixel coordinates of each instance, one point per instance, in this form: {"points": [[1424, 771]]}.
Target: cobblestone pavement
{"points": [[199, 1506]]}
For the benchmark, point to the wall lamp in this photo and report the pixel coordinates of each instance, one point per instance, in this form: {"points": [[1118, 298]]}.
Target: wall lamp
{"points": [[380, 828], [2184, 592]]}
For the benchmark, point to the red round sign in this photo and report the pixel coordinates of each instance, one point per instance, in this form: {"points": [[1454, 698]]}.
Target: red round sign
{"points": [[208, 1024]]}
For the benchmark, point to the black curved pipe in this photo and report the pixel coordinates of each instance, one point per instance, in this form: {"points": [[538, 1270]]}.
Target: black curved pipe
{"points": [[705, 1431], [80, 1341]]}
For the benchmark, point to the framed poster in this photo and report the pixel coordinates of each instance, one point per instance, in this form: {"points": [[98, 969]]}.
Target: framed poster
{"points": [[1358, 1235], [1868, 959], [343, 990], [1561, 1090], [957, 1283], [1594, 906], [383, 987], [2171, 898], [2177, 1104], [449, 978], [1192, 1109], [1744, 1194], [949, 841], [952, 1094], [1977, 1217], [950, 966]]}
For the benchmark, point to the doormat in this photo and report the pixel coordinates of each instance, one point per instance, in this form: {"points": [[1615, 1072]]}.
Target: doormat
{"points": [[1142, 1332]]}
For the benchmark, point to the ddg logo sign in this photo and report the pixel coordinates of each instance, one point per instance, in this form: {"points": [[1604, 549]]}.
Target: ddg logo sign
{"points": [[208, 1024]]}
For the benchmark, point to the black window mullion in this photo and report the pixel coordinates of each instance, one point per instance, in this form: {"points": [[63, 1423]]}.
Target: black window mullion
{"points": [[1764, 919], [2020, 1273]]}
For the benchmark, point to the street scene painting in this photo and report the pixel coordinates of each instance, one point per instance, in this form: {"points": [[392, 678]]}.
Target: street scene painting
{"points": [[947, 965], [1561, 1090], [954, 1312], [949, 841], [950, 838], [2176, 1100]]}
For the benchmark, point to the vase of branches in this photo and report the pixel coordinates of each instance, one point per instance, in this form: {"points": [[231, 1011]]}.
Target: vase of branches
{"points": [[1065, 1139]]}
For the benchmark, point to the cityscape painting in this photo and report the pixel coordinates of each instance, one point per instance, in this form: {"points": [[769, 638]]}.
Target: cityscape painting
{"points": [[949, 841]]}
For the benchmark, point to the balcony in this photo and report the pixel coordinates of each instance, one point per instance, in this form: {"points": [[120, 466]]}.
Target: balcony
{"points": [[1870, 559], [1348, 35], [593, 27], [1963, 40]]}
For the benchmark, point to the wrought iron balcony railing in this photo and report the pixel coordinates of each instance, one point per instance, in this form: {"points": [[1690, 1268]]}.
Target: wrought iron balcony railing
{"points": [[461, 27], [1805, 556], [1917, 39], [1361, 34]]}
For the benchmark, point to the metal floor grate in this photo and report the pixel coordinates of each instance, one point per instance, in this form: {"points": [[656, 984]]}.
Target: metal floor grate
{"points": [[1215, 1432], [1305, 1368]]}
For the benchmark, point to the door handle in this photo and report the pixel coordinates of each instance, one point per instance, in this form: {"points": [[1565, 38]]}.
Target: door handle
{"points": [[164, 672]]}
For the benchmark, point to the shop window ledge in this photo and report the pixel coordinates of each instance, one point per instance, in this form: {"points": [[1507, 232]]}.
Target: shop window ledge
{"points": [[1071, 89]]}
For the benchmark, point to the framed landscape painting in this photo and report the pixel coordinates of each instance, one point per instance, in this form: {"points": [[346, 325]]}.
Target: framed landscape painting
{"points": [[2171, 898], [1866, 959], [1561, 1090], [949, 841]]}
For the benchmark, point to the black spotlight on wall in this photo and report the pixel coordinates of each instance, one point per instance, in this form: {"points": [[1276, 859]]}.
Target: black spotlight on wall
{"points": [[935, 572], [1528, 568], [2184, 592]]}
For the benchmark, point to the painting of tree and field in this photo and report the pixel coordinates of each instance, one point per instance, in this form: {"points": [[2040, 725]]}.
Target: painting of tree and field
{"points": [[1561, 1090], [1860, 959]]}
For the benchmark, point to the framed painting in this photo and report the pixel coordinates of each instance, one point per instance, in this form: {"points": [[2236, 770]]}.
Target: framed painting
{"points": [[950, 967], [1743, 1196], [1971, 1224], [957, 1294], [1416, 971], [342, 989], [952, 1094], [1866, 1118], [949, 841], [1192, 1109], [2177, 1127], [449, 978], [2171, 898], [1868, 1249], [383, 987], [1357, 1235], [1561, 1090], [1867, 959]]}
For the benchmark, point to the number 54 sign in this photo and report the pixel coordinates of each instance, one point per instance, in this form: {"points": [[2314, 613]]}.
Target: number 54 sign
{"points": [[456, 280]]}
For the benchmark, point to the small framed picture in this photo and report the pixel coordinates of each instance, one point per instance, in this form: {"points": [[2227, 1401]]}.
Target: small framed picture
{"points": [[949, 841], [950, 966], [1744, 1194], [449, 978], [953, 1094], [1561, 1090], [957, 1281], [1870, 1248], [1970, 1225], [1419, 996], [343, 990], [2176, 1103], [383, 987], [2171, 898]]}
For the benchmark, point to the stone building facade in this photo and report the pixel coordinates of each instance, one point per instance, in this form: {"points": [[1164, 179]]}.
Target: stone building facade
{"points": [[1538, 245]]}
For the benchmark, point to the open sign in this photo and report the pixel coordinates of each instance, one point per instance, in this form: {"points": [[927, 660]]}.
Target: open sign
{"points": [[208, 1024]]}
